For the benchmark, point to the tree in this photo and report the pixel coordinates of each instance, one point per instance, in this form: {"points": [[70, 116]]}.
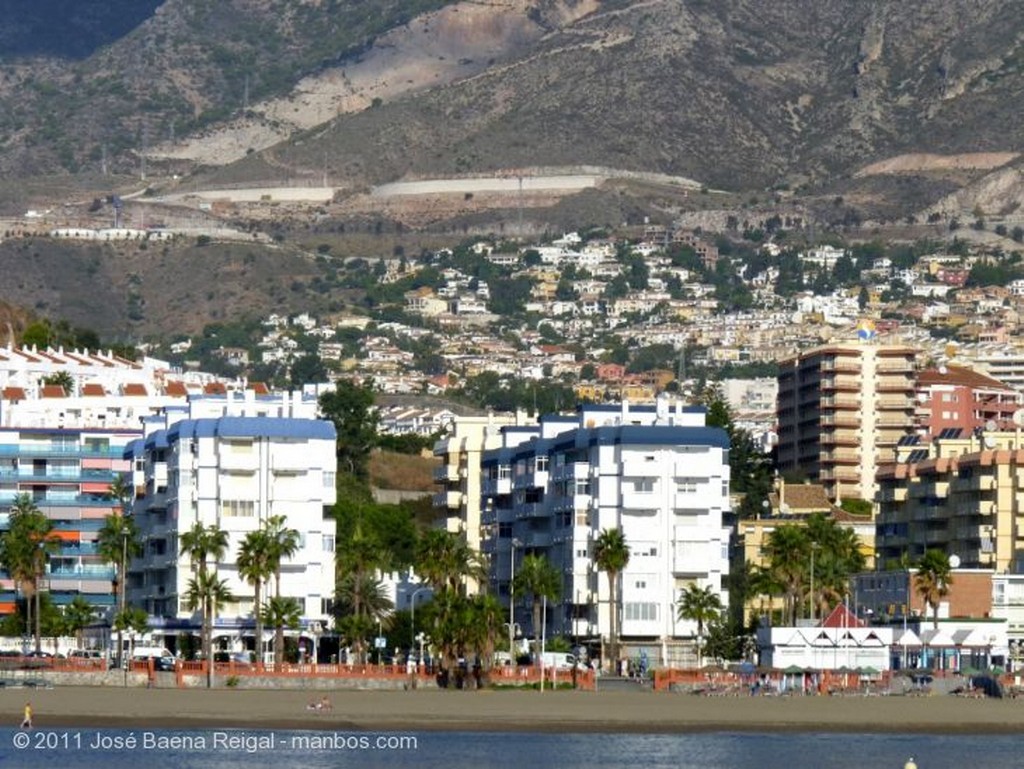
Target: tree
{"points": [[446, 563], [62, 379], [700, 605], [488, 618], [200, 543], [117, 543], [933, 580], [207, 594], [611, 555], [787, 550], [362, 604], [350, 408], [283, 542], [78, 615], [24, 548], [541, 580], [281, 613], [255, 567], [131, 620]]}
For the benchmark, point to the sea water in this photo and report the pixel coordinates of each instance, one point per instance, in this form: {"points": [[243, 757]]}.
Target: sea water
{"points": [[93, 748]]}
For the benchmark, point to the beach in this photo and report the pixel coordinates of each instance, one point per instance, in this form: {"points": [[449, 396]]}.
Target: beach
{"points": [[527, 711]]}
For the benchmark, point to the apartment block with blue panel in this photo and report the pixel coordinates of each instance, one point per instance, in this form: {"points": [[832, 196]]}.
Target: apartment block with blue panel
{"points": [[67, 473]]}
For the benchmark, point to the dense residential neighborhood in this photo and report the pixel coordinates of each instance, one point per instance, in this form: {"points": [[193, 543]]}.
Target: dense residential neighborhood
{"points": [[734, 409]]}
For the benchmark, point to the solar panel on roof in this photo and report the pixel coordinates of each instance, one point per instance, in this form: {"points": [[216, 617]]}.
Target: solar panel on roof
{"points": [[908, 440]]}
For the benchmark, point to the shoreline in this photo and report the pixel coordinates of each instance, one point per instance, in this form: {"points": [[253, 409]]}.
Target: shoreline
{"points": [[506, 711]]}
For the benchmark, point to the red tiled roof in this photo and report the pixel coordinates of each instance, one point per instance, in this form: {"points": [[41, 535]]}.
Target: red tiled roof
{"points": [[840, 617], [93, 389], [259, 388], [215, 388], [53, 391], [175, 389], [960, 375], [14, 394], [134, 388]]}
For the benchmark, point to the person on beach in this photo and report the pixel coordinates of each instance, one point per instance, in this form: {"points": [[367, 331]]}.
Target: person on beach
{"points": [[26, 721], [325, 703]]}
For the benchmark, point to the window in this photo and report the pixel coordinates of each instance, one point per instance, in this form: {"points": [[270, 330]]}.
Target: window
{"points": [[237, 508], [643, 485], [327, 543], [582, 553], [640, 611], [542, 463], [329, 479], [686, 486], [583, 486], [640, 584]]}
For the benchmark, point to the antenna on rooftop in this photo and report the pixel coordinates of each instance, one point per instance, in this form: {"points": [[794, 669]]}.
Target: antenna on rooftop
{"points": [[103, 160], [245, 93]]}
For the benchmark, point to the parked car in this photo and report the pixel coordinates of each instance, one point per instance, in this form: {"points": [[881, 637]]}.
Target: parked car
{"points": [[163, 664], [86, 654], [240, 659]]}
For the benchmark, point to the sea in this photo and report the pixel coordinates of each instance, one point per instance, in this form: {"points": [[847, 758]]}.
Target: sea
{"points": [[88, 748]]}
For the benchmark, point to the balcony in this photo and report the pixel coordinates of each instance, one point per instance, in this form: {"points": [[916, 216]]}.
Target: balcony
{"points": [[45, 450], [496, 487], [446, 474], [536, 539], [841, 474], [839, 403], [452, 500], [289, 463], [531, 510], [244, 461], [839, 420], [895, 404], [839, 457], [893, 494]]}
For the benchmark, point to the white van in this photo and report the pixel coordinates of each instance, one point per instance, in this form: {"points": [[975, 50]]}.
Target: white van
{"points": [[561, 661]]}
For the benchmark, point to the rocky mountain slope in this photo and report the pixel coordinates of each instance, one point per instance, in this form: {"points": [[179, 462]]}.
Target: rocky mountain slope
{"points": [[739, 94]]}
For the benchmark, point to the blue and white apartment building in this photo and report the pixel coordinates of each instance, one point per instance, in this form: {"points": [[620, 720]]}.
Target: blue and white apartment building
{"points": [[234, 472], [658, 473]]}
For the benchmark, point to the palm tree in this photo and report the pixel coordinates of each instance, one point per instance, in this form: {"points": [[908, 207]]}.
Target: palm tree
{"points": [[761, 582], [131, 620], [283, 543], [611, 554], [281, 613], [933, 580], [487, 622], [203, 542], [700, 605], [117, 543], [788, 550], [541, 580], [207, 594], [78, 615], [362, 603], [255, 567], [24, 547], [446, 561]]}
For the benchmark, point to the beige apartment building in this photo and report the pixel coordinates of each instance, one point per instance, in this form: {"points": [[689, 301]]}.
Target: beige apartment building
{"points": [[961, 495], [457, 504], [842, 409]]}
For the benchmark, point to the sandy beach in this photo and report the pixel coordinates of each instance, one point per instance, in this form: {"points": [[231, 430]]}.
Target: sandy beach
{"points": [[567, 711]]}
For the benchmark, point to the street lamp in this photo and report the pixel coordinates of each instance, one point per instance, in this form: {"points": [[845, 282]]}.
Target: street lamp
{"points": [[512, 600], [412, 610]]}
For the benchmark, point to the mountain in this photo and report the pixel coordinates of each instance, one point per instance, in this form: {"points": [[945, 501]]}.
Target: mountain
{"points": [[737, 94]]}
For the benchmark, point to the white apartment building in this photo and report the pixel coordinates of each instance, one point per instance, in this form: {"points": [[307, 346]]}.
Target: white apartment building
{"points": [[657, 473], [233, 472]]}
